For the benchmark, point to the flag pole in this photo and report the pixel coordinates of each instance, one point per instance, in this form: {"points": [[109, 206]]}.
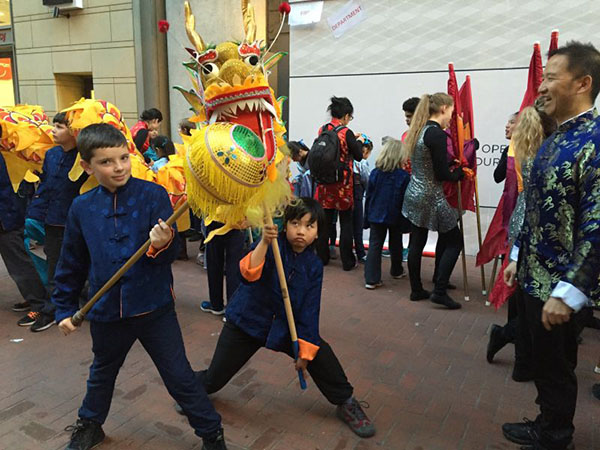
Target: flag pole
{"points": [[483, 290], [462, 231]]}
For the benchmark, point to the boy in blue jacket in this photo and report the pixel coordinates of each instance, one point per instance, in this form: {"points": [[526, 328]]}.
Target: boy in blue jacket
{"points": [[256, 316], [105, 226], [50, 205]]}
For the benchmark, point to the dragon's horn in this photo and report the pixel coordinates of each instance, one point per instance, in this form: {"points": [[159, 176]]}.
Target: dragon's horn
{"points": [[249, 21], [190, 29]]}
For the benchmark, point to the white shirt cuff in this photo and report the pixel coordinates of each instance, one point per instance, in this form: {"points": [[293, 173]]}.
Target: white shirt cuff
{"points": [[514, 253], [570, 295]]}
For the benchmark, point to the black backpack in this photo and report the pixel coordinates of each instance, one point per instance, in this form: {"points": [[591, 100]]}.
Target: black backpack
{"points": [[324, 157]]}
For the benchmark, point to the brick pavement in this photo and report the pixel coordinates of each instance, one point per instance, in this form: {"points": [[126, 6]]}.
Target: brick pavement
{"points": [[422, 369]]}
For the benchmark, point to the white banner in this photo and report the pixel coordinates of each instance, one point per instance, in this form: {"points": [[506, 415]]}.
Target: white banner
{"points": [[305, 13], [350, 15]]}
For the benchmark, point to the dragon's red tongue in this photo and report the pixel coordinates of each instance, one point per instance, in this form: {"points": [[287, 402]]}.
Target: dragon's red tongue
{"points": [[261, 122]]}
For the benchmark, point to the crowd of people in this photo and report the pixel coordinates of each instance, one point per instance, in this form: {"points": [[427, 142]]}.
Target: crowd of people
{"points": [[554, 233]]}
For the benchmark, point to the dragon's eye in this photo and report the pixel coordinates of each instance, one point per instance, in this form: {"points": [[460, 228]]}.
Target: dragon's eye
{"points": [[210, 69], [251, 60]]}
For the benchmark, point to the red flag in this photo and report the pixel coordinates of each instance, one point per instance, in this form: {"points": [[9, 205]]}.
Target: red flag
{"points": [[456, 124], [534, 77], [466, 103], [553, 41]]}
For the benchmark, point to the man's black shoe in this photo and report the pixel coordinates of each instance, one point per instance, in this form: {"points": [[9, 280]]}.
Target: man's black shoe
{"points": [[22, 306], [86, 435], [445, 300], [415, 296], [524, 433], [596, 390], [215, 443], [496, 342]]}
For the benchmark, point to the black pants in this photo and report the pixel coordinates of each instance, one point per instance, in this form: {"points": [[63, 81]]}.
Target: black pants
{"points": [[21, 269], [554, 358], [447, 251], [357, 221], [376, 240], [160, 335], [235, 348], [52, 245], [223, 253], [346, 255]]}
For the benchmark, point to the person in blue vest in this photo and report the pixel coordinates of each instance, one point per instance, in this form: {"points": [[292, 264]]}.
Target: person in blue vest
{"points": [[50, 205], [12, 247], [105, 227]]}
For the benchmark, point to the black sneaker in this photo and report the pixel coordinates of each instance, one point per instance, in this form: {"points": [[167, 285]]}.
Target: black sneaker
{"points": [[209, 308], [215, 443], [445, 300], [415, 296], [43, 322], [353, 415], [29, 319], [496, 342], [86, 434], [19, 307], [524, 433]]}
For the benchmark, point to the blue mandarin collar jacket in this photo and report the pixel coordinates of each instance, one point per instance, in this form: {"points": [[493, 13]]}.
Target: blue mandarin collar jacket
{"points": [[257, 307], [103, 230], [56, 192], [12, 210]]}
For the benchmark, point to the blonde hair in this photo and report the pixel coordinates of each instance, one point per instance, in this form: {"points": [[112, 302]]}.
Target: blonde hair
{"points": [[427, 107], [390, 156], [528, 135]]}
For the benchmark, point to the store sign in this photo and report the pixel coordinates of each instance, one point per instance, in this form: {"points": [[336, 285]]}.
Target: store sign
{"points": [[6, 37], [350, 15]]}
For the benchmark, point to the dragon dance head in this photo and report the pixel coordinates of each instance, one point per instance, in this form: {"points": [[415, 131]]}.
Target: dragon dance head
{"points": [[25, 138], [232, 157]]}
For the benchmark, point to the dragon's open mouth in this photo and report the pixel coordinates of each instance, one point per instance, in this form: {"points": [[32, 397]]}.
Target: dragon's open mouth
{"points": [[251, 107]]}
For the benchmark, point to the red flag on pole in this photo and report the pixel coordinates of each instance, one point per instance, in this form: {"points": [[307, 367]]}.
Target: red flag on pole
{"points": [[456, 124], [534, 77], [553, 41], [466, 103]]}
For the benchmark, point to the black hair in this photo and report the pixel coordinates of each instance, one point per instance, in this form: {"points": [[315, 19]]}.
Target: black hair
{"points": [[410, 105], [295, 148], [339, 107], [548, 123], [151, 114], [61, 118], [98, 135], [186, 127], [302, 206], [368, 144], [583, 59], [164, 145]]}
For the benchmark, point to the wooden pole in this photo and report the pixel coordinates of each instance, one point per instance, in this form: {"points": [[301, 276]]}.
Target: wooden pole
{"points": [[483, 291], [286, 301], [78, 317], [464, 257]]}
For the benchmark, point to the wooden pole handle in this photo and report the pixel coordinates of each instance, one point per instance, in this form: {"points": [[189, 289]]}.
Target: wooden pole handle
{"points": [[289, 313], [78, 317]]}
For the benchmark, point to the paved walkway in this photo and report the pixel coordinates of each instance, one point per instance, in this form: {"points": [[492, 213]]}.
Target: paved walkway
{"points": [[422, 370]]}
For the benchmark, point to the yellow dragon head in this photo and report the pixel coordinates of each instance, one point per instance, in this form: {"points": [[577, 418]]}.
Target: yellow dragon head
{"points": [[230, 82]]}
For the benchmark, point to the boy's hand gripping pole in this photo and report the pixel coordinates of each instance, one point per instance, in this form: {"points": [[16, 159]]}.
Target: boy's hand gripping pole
{"points": [[286, 302], [78, 317]]}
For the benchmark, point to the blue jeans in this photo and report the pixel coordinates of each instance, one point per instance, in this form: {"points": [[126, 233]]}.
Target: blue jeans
{"points": [[160, 335], [376, 240]]}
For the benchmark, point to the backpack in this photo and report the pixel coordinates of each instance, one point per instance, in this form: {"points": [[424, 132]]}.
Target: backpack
{"points": [[324, 157]]}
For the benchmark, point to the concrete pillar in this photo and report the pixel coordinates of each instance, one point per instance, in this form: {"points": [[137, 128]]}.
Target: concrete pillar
{"points": [[152, 73]]}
